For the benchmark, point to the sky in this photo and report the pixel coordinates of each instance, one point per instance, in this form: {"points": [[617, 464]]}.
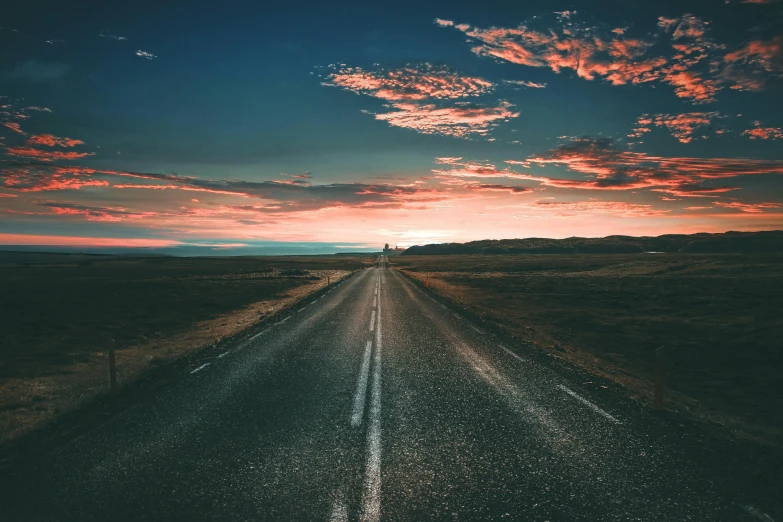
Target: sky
{"points": [[341, 126]]}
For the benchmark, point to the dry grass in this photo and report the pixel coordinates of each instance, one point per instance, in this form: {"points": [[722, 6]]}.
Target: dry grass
{"points": [[716, 315], [55, 334]]}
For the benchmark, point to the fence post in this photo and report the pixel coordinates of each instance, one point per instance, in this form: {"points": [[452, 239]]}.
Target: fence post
{"points": [[112, 367], [428, 281], [660, 377], [328, 279]]}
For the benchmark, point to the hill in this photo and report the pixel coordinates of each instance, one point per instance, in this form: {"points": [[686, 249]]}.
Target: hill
{"points": [[724, 243]]}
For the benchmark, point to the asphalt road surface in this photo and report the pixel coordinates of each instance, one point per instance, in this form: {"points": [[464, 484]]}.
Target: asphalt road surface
{"points": [[374, 402]]}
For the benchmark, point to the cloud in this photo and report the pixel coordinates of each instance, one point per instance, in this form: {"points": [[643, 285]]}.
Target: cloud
{"points": [[424, 98], [46, 155], [608, 167], [522, 83], [467, 169], [35, 71], [109, 36], [593, 206], [34, 239], [15, 127], [53, 141], [680, 126], [460, 121], [752, 208], [281, 197], [419, 82], [491, 187], [145, 54], [681, 54], [93, 213], [763, 133]]}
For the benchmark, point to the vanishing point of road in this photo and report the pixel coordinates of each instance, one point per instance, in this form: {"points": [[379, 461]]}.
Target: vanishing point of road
{"points": [[373, 402]]}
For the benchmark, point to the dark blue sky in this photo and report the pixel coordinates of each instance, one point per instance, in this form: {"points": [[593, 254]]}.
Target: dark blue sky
{"points": [[258, 93]]}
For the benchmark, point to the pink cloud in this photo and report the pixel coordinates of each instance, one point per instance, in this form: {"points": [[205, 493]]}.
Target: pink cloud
{"points": [[491, 187], [53, 141], [681, 126], [14, 127], [34, 239], [522, 83], [93, 213], [46, 155], [753, 208], [409, 83], [421, 98], [610, 168], [593, 206], [461, 121], [695, 65], [763, 133]]}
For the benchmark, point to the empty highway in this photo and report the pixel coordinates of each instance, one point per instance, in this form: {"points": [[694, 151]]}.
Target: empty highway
{"points": [[374, 402]]}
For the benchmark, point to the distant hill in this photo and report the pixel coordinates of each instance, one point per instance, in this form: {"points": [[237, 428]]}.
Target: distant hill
{"points": [[728, 243]]}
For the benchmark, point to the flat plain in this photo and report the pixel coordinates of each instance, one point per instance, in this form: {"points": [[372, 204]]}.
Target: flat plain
{"points": [[717, 318], [60, 311]]}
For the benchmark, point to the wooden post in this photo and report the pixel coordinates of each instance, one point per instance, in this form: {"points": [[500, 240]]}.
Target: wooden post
{"points": [[428, 281], [660, 377], [112, 367], [328, 279]]}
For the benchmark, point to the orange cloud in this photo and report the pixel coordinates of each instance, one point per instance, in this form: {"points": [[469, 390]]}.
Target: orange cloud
{"points": [[763, 133], [46, 155], [609, 168], [34, 239], [409, 83], [753, 208], [695, 64], [681, 126], [462, 121], [14, 127], [53, 141], [593, 206]]}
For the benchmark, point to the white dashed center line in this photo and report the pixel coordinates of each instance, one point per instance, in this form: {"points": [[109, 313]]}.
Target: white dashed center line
{"points": [[588, 404], [371, 497], [223, 354], [361, 387], [200, 368], [512, 354], [758, 514], [372, 321]]}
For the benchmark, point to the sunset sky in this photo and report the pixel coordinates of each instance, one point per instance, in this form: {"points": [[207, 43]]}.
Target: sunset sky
{"points": [[235, 127]]}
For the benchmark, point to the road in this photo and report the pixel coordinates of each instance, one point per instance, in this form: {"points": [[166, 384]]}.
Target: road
{"points": [[374, 402]]}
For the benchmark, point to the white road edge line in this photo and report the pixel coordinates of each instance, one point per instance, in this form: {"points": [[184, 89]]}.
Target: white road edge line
{"points": [[257, 335], [339, 512], [588, 403], [303, 308], [371, 497], [478, 330], [372, 321], [361, 387], [284, 320], [223, 354], [512, 354], [200, 367], [758, 513]]}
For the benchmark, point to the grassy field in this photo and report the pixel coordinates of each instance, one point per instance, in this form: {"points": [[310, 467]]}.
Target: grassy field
{"points": [[717, 316], [59, 312]]}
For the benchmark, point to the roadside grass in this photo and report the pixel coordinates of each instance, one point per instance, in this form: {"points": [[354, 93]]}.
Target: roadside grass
{"points": [[717, 317], [58, 318]]}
